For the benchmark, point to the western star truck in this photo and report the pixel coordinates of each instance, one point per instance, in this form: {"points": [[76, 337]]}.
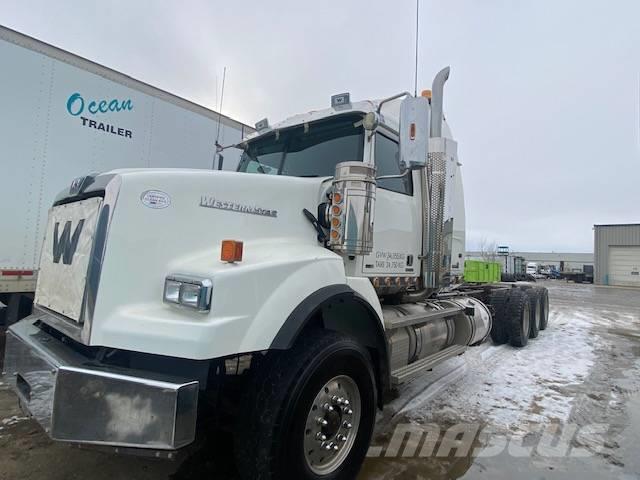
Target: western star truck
{"points": [[62, 114], [281, 303]]}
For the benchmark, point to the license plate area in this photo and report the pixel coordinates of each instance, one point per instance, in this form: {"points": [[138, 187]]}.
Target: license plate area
{"points": [[66, 252]]}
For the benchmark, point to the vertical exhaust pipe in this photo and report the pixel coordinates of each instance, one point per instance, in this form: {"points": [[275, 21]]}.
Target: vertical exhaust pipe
{"points": [[436, 180], [437, 94]]}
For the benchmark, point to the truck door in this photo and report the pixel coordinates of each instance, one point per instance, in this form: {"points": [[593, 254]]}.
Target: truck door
{"points": [[397, 225]]}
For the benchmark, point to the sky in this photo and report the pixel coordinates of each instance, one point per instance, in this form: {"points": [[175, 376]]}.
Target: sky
{"points": [[543, 96]]}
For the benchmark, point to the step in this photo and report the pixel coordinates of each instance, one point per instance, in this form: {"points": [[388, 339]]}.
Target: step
{"points": [[414, 369], [427, 316]]}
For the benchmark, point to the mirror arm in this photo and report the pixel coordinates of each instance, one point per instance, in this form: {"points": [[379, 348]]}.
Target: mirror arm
{"points": [[403, 174], [388, 99]]}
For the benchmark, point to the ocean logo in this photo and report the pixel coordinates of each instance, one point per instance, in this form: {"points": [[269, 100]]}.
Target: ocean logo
{"points": [[76, 105]]}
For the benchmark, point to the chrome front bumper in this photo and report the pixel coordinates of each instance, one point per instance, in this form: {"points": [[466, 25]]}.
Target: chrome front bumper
{"points": [[77, 400]]}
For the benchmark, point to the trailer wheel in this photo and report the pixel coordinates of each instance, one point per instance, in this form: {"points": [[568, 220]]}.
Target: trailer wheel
{"points": [[499, 300], [19, 307], [536, 311], [519, 312], [309, 412], [544, 307]]}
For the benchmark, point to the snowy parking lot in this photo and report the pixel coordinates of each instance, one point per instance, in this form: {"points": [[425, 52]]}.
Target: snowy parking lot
{"points": [[565, 406]]}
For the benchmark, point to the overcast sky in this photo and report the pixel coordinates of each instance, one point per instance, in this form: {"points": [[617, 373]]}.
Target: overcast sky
{"points": [[543, 96]]}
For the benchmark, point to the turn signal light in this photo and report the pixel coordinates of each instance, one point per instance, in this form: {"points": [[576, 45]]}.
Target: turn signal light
{"points": [[231, 251]]}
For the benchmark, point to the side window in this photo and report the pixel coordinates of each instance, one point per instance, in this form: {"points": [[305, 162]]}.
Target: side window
{"points": [[387, 155]]}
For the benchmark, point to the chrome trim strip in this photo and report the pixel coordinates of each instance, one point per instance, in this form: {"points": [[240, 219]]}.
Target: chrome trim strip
{"points": [[97, 256]]}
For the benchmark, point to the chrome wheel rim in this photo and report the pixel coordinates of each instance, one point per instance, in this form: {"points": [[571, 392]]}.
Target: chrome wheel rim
{"points": [[538, 316], [332, 425]]}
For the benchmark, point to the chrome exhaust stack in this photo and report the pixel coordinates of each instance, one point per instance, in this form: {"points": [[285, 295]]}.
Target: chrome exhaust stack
{"points": [[438, 251]]}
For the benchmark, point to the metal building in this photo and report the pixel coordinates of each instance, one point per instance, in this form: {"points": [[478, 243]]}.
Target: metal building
{"points": [[617, 254]]}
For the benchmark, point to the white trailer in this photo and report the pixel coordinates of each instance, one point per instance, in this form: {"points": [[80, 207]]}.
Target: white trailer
{"points": [[63, 116]]}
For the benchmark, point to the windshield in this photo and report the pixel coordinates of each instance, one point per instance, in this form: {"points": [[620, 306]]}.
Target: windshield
{"points": [[311, 153]]}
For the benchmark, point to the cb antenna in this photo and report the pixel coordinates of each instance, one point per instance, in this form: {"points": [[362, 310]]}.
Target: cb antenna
{"points": [[217, 143], [415, 80]]}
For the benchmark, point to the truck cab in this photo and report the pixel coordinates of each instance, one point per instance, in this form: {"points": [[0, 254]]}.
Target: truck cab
{"points": [[285, 300]]}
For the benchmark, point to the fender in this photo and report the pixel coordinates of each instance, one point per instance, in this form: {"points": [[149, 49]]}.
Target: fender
{"points": [[339, 308]]}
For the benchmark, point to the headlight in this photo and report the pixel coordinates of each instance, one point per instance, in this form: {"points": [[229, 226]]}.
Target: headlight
{"points": [[188, 291]]}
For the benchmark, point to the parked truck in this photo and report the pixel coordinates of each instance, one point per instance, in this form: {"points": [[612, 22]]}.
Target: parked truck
{"points": [[63, 115], [281, 303], [578, 275]]}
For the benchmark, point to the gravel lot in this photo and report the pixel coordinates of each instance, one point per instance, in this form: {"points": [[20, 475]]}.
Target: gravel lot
{"points": [[583, 370]]}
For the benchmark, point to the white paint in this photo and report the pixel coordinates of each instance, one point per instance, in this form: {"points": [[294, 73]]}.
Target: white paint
{"points": [[624, 266], [283, 263], [44, 147]]}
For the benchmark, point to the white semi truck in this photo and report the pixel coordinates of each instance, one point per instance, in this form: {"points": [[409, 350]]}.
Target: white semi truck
{"points": [[288, 298], [63, 115]]}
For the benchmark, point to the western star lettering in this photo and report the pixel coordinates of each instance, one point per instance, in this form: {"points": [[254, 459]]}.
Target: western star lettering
{"points": [[211, 202]]}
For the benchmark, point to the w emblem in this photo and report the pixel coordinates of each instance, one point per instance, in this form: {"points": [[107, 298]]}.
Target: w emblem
{"points": [[65, 245]]}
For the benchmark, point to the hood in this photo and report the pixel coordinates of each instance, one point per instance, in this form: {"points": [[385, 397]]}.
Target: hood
{"points": [[173, 222], [175, 213]]}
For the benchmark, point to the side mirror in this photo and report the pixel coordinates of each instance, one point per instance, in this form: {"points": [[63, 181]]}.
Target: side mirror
{"points": [[415, 116]]}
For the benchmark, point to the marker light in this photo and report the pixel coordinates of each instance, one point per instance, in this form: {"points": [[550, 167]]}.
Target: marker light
{"points": [[335, 210], [337, 197], [231, 251], [335, 222], [188, 291]]}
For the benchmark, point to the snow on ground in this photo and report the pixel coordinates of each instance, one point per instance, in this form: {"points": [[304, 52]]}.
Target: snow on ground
{"points": [[509, 387]]}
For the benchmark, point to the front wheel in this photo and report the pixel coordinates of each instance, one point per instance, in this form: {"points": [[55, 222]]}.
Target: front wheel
{"points": [[309, 411]]}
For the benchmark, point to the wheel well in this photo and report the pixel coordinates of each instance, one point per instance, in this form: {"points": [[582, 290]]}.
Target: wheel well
{"points": [[340, 309]]}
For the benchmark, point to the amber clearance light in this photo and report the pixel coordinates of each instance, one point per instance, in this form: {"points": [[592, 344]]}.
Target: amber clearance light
{"points": [[231, 251]]}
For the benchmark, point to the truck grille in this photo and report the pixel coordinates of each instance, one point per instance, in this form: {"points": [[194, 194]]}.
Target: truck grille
{"points": [[65, 257]]}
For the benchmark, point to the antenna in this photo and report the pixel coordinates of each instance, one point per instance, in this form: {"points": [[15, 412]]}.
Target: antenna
{"points": [[217, 143], [415, 84]]}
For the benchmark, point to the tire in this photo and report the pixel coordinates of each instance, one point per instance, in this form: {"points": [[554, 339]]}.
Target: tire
{"points": [[535, 312], [499, 301], [278, 437], [544, 307], [507, 277], [3, 309], [519, 317], [19, 307]]}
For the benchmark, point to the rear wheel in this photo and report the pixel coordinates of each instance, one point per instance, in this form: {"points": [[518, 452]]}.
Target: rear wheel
{"points": [[519, 311], [309, 412], [536, 312], [544, 307], [499, 327]]}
